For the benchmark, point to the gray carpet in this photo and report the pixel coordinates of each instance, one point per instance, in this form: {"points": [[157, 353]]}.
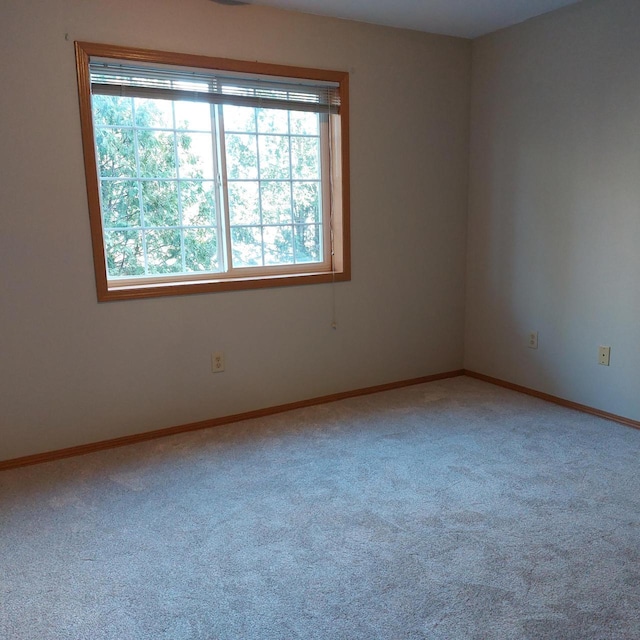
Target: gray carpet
{"points": [[453, 510]]}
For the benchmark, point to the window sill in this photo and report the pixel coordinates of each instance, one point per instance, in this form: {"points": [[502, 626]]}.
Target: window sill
{"points": [[110, 292]]}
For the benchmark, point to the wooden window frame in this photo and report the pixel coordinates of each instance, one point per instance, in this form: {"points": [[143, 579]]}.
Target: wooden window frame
{"points": [[339, 268]]}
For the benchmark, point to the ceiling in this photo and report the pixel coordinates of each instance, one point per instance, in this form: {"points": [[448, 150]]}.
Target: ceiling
{"points": [[464, 18]]}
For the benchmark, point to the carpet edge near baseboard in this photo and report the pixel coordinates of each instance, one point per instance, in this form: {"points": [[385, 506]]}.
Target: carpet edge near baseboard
{"points": [[569, 404], [112, 443], [123, 441]]}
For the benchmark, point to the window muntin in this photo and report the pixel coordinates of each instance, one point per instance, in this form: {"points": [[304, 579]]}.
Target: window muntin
{"points": [[274, 186], [161, 192], [219, 179], [158, 198]]}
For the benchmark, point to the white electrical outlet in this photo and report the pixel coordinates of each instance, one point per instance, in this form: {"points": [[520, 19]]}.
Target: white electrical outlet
{"points": [[604, 355], [217, 362], [533, 340]]}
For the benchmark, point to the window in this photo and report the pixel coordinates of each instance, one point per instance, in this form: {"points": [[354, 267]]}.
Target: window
{"points": [[206, 174]]}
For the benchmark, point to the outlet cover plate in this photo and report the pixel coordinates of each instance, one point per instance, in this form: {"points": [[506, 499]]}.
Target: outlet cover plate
{"points": [[604, 355], [217, 362]]}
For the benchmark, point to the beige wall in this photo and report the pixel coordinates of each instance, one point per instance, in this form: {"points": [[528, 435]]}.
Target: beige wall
{"points": [[74, 371], [554, 217]]}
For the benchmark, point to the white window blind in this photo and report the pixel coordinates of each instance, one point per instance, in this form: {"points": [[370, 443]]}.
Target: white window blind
{"points": [[214, 87]]}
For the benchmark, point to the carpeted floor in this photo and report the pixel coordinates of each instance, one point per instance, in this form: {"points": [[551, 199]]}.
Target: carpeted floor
{"points": [[453, 510]]}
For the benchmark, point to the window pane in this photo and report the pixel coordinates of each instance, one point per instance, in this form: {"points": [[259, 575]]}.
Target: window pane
{"points": [[305, 158], [120, 203], [276, 202], [200, 250], [244, 205], [160, 203], [274, 157], [239, 118], [156, 151], [242, 156], [195, 116], [163, 251], [306, 202], [116, 153], [308, 243], [124, 253], [153, 113], [273, 121], [246, 246], [112, 110], [195, 155], [304, 123], [278, 245], [198, 203]]}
